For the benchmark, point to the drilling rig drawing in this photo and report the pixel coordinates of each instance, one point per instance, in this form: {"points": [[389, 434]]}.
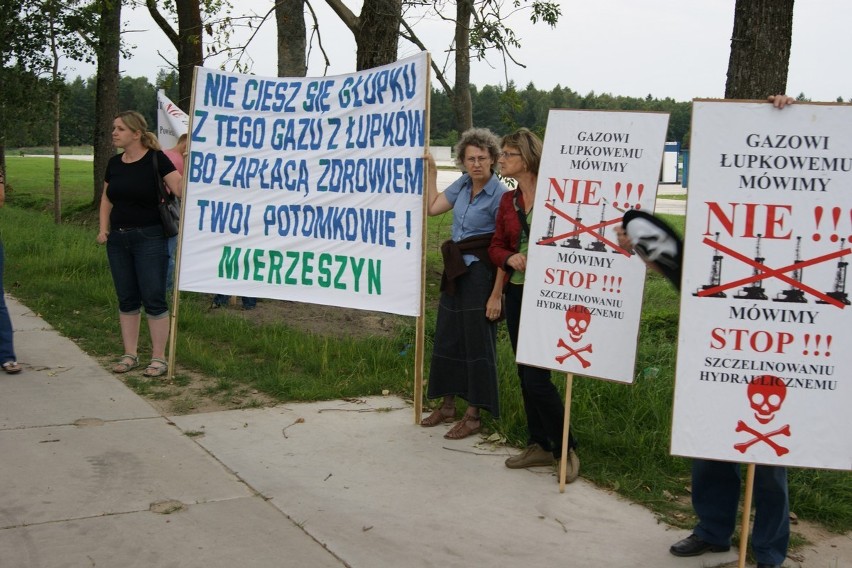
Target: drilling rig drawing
{"points": [[598, 245], [839, 292], [793, 294], [574, 242], [715, 275], [551, 227], [755, 291]]}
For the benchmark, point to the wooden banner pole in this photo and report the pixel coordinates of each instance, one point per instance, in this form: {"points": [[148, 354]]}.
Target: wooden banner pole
{"points": [[566, 424], [173, 315], [420, 324], [744, 530]]}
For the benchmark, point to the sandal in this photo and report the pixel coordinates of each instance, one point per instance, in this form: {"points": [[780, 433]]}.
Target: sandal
{"points": [[156, 368], [126, 363], [11, 367], [463, 429], [437, 417]]}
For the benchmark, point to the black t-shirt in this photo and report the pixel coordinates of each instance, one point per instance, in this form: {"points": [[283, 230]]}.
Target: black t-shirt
{"points": [[132, 190]]}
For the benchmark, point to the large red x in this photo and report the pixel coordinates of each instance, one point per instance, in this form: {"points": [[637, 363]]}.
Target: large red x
{"points": [[765, 272], [591, 229]]}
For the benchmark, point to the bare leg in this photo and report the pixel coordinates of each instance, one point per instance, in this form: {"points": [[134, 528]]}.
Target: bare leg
{"points": [[444, 413], [159, 329], [129, 324], [469, 424]]}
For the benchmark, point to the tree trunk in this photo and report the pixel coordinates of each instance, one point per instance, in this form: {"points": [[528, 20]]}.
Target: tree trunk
{"points": [[189, 48], [377, 36], [462, 107], [57, 186], [760, 49], [292, 38], [106, 91]]}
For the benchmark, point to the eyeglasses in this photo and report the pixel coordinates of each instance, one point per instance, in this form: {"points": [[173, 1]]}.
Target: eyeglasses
{"points": [[477, 159], [508, 154]]}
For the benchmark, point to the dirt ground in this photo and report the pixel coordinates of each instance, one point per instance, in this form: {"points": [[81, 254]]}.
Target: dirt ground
{"points": [[320, 320], [191, 392]]}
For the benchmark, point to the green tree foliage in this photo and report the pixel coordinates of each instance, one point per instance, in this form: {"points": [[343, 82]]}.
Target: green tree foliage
{"points": [[76, 122], [24, 116], [139, 95], [496, 107], [503, 109]]}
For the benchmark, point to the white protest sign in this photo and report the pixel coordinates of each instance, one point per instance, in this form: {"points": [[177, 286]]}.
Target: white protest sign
{"points": [[764, 348], [171, 121], [582, 292], [308, 189]]}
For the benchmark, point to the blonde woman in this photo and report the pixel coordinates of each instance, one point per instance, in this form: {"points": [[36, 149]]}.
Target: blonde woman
{"points": [[137, 247]]}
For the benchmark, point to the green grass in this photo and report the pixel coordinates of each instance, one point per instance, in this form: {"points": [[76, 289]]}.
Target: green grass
{"points": [[30, 183], [623, 430]]}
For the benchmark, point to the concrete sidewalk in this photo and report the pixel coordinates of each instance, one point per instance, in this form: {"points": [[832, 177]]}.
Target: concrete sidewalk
{"points": [[86, 464], [93, 476]]}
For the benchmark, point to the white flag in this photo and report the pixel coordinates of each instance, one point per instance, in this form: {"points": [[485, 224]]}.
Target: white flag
{"points": [[171, 121]]}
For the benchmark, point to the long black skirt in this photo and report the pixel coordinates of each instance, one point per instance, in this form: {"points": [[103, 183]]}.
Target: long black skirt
{"points": [[464, 357]]}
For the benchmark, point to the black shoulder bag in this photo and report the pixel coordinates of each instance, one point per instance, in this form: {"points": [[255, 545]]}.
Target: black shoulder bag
{"points": [[168, 204], [522, 216]]}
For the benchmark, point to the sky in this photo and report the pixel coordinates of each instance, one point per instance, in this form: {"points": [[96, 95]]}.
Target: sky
{"points": [[665, 48]]}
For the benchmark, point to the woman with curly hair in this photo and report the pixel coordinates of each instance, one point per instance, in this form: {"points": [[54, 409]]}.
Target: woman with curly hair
{"points": [[464, 355]]}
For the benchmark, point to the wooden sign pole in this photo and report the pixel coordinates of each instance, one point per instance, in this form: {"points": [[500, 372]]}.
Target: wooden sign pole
{"points": [[566, 424], [744, 530]]}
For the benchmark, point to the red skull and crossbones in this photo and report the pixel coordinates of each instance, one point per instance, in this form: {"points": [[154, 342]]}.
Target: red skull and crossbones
{"points": [[577, 320], [766, 394]]}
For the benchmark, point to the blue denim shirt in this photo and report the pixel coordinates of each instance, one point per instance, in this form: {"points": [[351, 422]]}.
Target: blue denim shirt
{"points": [[479, 217]]}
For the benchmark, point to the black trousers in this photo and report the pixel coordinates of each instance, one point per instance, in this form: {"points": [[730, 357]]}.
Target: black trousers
{"points": [[542, 402]]}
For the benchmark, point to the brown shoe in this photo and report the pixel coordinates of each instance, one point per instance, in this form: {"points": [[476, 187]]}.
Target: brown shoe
{"points": [[572, 467], [532, 456]]}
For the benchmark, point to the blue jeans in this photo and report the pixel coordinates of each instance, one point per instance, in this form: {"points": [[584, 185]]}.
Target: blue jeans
{"points": [[170, 279], [542, 402], [716, 494], [222, 299], [138, 260], [7, 347]]}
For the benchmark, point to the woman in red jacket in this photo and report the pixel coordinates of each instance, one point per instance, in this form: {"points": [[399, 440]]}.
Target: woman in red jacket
{"points": [[543, 405]]}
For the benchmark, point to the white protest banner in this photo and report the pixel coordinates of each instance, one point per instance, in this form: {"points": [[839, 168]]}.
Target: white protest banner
{"points": [[308, 189], [171, 121], [764, 348], [582, 292]]}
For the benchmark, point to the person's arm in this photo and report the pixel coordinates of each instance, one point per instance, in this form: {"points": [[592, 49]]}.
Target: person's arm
{"points": [[501, 247], [494, 305], [2, 189], [438, 202], [103, 216], [174, 182]]}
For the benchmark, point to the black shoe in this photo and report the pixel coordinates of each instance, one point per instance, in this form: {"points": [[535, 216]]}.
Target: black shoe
{"points": [[764, 565], [694, 546]]}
